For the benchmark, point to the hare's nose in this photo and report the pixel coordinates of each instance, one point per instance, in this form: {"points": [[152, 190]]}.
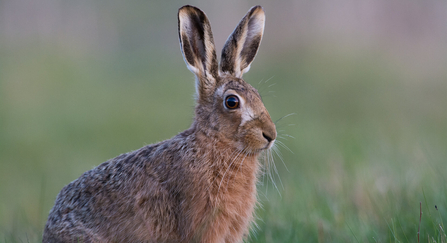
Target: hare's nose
{"points": [[268, 128], [269, 138], [269, 133]]}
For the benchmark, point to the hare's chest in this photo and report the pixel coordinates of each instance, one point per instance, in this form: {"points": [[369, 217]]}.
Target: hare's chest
{"points": [[231, 215]]}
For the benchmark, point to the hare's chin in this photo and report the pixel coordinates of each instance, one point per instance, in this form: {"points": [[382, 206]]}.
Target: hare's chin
{"points": [[259, 150]]}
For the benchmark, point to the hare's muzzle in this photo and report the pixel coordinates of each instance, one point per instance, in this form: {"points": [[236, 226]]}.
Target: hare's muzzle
{"points": [[268, 131]]}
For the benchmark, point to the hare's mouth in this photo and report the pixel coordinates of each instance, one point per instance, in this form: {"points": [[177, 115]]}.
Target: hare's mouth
{"points": [[258, 150], [270, 141], [269, 145]]}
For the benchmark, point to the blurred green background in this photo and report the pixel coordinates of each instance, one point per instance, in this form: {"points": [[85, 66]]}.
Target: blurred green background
{"points": [[84, 81]]}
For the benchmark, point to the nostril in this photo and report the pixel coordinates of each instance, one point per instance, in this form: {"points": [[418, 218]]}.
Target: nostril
{"points": [[269, 139]]}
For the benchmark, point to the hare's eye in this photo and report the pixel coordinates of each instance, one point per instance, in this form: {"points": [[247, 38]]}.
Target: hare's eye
{"points": [[232, 102]]}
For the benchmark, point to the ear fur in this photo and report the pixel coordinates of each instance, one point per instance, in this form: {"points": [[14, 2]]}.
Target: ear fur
{"points": [[242, 45], [197, 46]]}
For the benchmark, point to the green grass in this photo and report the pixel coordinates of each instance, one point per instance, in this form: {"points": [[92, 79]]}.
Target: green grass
{"points": [[369, 144]]}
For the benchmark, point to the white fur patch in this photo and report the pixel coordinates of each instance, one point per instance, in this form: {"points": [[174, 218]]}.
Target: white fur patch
{"points": [[220, 90], [247, 114]]}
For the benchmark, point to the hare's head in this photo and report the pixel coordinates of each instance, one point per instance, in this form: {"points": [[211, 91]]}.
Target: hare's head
{"points": [[228, 108]]}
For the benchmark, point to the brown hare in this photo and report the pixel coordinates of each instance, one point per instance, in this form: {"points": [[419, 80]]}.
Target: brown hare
{"points": [[199, 186]]}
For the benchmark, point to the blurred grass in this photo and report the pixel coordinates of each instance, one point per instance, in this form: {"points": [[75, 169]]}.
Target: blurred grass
{"points": [[367, 145], [369, 138]]}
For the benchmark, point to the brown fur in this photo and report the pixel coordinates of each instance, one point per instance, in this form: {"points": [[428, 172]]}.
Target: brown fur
{"points": [[199, 186]]}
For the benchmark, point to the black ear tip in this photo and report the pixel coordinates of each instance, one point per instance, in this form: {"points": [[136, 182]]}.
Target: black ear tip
{"points": [[256, 8], [191, 12], [190, 9], [186, 7]]}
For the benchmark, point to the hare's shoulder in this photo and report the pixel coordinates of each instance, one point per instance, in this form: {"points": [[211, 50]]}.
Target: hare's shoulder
{"points": [[127, 175]]}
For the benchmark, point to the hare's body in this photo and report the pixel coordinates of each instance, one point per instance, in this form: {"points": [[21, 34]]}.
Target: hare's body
{"points": [[199, 186], [166, 195]]}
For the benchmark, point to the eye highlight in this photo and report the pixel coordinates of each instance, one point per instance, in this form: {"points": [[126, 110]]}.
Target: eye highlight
{"points": [[232, 102]]}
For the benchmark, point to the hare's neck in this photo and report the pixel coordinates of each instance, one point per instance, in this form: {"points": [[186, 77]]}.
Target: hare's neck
{"points": [[230, 186], [226, 188], [231, 171], [228, 170]]}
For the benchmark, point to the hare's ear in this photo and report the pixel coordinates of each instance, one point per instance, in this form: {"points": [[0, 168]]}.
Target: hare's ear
{"points": [[242, 45], [197, 45]]}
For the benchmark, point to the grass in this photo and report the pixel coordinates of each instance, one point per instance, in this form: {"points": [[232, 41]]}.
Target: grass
{"points": [[367, 145]]}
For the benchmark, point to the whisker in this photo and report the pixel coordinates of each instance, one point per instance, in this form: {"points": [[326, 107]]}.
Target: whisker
{"points": [[269, 79], [291, 114], [284, 146], [240, 166], [285, 135], [267, 174], [279, 154], [262, 89], [282, 126], [223, 177], [271, 85], [269, 167], [219, 173], [272, 177], [277, 173]]}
